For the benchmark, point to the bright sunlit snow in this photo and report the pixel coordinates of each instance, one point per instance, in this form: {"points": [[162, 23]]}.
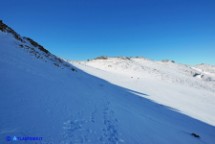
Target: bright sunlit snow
{"points": [[189, 90]]}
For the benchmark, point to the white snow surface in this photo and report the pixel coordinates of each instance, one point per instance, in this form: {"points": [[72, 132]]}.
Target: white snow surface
{"points": [[41, 95], [189, 90]]}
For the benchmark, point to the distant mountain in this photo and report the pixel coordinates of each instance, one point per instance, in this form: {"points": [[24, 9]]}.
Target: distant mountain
{"points": [[44, 99]]}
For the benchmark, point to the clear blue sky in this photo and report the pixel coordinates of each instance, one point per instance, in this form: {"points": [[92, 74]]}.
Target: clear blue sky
{"points": [[182, 30]]}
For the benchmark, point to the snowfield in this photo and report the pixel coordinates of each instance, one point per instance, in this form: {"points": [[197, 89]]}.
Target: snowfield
{"points": [[113, 101], [189, 90]]}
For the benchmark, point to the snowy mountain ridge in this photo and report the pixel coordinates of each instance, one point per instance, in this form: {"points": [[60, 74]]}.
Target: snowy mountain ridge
{"points": [[200, 76], [33, 47], [44, 96]]}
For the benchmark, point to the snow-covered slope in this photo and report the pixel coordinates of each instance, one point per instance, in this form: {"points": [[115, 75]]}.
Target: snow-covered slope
{"points": [[184, 88], [43, 96]]}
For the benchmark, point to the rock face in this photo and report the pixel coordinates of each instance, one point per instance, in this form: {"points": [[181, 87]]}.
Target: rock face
{"points": [[5, 28], [37, 45], [35, 48]]}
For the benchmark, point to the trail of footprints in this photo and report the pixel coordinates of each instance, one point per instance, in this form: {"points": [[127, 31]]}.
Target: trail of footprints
{"points": [[85, 131], [110, 133]]}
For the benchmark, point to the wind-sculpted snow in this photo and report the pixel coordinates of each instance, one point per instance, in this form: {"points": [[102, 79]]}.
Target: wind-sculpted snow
{"points": [[62, 106]]}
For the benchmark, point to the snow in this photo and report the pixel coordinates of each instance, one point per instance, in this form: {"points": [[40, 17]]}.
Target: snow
{"points": [[40, 96], [205, 69], [166, 83]]}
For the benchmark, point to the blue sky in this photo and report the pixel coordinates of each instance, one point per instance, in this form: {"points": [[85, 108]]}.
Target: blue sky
{"points": [[182, 30]]}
